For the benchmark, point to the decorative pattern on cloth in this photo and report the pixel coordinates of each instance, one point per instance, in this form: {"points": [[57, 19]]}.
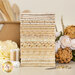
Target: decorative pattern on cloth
{"points": [[37, 37]]}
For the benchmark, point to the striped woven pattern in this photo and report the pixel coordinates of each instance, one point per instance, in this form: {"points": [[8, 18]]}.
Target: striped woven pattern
{"points": [[37, 37]]}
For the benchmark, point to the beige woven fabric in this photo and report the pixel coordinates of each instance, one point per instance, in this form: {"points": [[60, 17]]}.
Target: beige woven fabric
{"points": [[37, 32]]}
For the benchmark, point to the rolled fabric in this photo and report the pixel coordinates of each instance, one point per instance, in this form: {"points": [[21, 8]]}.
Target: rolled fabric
{"points": [[14, 55], [17, 54]]}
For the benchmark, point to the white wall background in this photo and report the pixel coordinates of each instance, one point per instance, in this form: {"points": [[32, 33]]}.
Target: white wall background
{"points": [[65, 8]]}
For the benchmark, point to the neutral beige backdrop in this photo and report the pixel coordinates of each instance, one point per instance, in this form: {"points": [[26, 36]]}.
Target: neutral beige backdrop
{"points": [[65, 8]]}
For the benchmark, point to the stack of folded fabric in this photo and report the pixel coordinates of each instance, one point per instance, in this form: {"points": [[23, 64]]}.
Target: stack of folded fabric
{"points": [[37, 40]]}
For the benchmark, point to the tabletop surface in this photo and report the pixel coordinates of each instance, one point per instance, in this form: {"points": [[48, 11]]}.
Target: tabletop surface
{"points": [[41, 71]]}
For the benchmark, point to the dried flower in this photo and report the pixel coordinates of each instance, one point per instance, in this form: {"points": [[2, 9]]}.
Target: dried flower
{"points": [[5, 47], [73, 44], [57, 34], [57, 45], [65, 41]]}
